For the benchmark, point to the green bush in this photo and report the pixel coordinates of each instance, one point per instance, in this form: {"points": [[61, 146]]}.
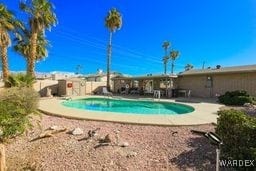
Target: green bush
{"points": [[25, 98], [238, 132], [239, 97], [13, 120], [238, 93], [20, 80], [16, 105]]}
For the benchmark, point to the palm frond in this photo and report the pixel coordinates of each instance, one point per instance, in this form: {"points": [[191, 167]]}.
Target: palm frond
{"points": [[113, 21]]}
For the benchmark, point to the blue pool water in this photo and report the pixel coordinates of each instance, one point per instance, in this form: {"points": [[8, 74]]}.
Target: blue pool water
{"points": [[128, 106]]}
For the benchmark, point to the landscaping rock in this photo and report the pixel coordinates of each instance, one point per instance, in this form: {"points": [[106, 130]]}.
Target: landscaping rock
{"points": [[54, 127], [131, 154], [146, 144], [106, 139], [248, 105], [77, 131], [124, 144]]}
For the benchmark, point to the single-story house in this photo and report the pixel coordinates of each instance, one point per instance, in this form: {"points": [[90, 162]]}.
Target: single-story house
{"points": [[217, 81], [100, 76], [146, 83], [210, 82]]}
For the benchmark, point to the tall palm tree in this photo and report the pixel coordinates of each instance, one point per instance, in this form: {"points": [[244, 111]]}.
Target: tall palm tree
{"points": [[173, 56], [41, 17], [113, 22], [165, 61], [22, 45], [8, 23], [166, 46], [189, 67]]}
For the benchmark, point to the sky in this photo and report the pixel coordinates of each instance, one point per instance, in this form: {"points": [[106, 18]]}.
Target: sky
{"points": [[214, 32]]}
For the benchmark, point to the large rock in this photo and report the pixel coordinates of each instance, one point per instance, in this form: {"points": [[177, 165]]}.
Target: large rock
{"points": [[131, 154], [124, 144], [106, 139], [54, 127], [77, 131]]}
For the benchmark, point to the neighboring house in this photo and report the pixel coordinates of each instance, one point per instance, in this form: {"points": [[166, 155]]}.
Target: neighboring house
{"points": [[56, 75], [96, 77], [100, 76], [64, 75], [217, 81]]}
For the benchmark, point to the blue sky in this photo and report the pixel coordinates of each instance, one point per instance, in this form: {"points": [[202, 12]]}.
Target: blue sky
{"points": [[214, 31]]}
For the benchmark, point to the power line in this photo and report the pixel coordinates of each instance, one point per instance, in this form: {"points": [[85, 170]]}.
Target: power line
{"points": [[128, 53]]}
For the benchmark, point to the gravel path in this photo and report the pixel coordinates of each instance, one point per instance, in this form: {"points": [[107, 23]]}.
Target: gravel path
{"points": [[150, 148]]}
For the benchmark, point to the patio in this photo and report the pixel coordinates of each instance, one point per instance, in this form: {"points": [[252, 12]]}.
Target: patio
{"points": [[156, 86]]}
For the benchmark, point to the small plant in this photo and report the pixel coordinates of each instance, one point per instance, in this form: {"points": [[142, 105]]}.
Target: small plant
{"points": [[238, 97], [16, 105], [238, 132], [13, 120], [20, 80]]}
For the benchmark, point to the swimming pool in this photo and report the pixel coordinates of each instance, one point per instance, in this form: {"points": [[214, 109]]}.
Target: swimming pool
{"points": [[129, 106]]}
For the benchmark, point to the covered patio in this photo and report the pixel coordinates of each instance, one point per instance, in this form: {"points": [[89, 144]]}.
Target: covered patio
{"points": [[151, 85]]}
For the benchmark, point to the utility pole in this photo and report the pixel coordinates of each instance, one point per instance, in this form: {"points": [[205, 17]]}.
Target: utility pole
{"points": [[203, 64], [78, 69]]}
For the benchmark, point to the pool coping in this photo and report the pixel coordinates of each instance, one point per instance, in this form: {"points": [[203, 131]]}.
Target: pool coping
{"points": [[204, 113]]}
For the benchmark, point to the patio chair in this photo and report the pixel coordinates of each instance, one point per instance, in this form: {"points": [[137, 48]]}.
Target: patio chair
{"points": [[123, 92], [189, 93], [106, 92]]}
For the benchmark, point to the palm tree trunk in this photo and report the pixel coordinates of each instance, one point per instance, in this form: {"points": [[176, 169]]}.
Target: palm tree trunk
{"points": [[166, 56], [172, 65], [109, 59], [32, 57], [4, 63], [2, 158], [165, 68]]}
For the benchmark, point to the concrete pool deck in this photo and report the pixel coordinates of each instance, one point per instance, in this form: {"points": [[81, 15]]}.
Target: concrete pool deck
{"points": [[204, 113]]}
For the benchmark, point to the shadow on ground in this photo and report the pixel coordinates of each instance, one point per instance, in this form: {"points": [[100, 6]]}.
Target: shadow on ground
{"points": [[200, 156]]}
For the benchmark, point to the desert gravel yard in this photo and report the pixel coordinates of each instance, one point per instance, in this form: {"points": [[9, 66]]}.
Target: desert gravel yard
{"points": [[146, 148]]}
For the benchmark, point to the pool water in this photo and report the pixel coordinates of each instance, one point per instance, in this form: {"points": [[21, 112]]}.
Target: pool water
{"points": [[129, 106]]}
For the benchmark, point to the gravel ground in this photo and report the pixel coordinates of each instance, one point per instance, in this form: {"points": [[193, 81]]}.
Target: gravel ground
{"points": [[150, 148]]}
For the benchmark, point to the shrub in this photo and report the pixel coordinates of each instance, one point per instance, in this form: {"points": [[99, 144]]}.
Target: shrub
{"points": [[13, 120], [20, 80], [15, 106], [238, 132], [239, 97], [25, 98]]}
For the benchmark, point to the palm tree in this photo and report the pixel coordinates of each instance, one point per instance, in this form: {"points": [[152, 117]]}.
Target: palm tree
{"points": [[41, 17], [113, 22], [189, 67], [173, 56], [22, 45], [166, 46], [7, 23], [20, 80], [165, 61]]}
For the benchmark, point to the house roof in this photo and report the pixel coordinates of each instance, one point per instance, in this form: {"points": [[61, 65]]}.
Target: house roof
{"points": [[147, 77], [101, 74], [234, 69]]}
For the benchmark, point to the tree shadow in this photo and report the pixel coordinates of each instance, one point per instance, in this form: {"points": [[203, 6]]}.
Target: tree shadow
{"points": [[202, 156]]}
